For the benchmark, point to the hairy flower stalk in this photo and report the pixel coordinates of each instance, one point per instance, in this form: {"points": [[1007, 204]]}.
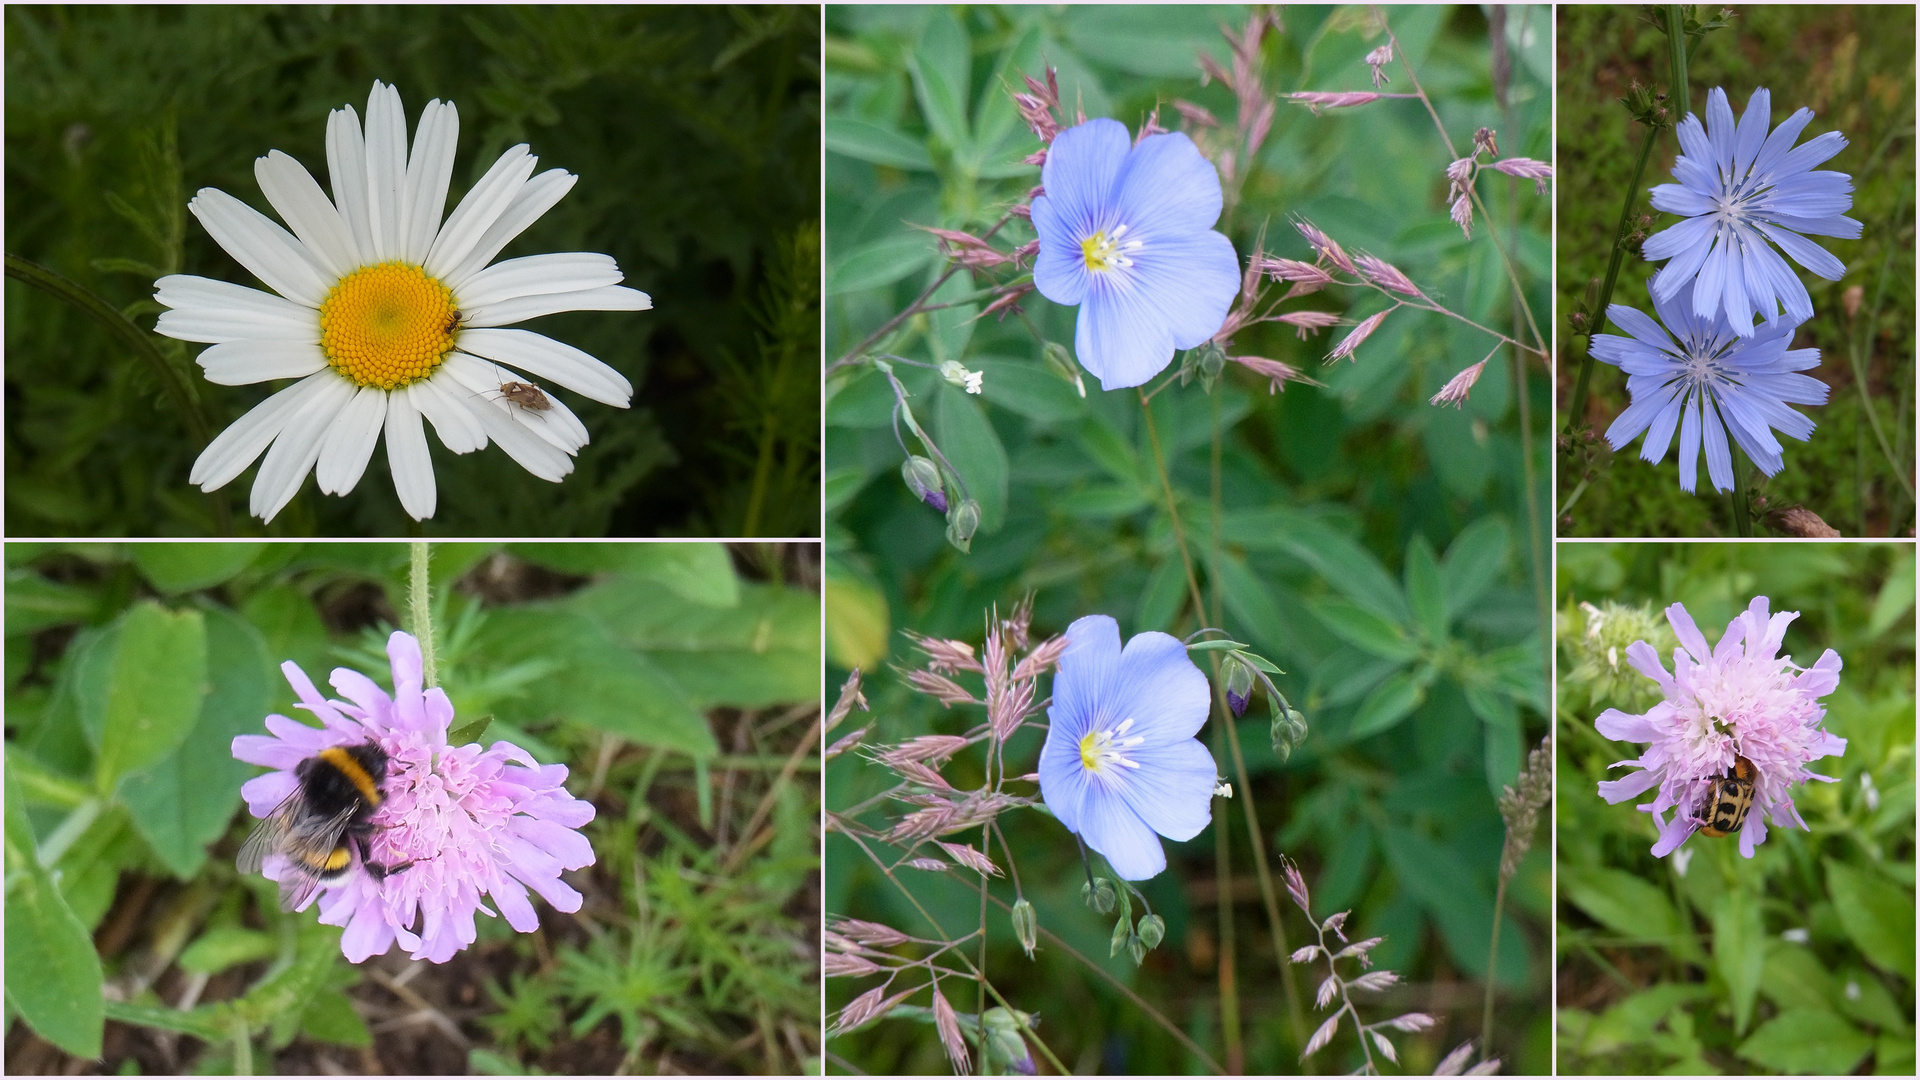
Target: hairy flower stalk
{"points": [[1520, 804]]}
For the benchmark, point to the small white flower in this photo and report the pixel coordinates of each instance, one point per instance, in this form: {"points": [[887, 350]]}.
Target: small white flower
{"points": [[386, 315], [956, 373], [1797, 935], [1224, 790]]}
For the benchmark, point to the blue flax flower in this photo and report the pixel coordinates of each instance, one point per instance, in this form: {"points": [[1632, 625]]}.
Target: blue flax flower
{"points": [[1126, 233], [1121, 763], [1697, 375], [1740, 188]]}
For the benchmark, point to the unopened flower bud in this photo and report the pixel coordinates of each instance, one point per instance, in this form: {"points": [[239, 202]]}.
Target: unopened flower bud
{"points": [[1099, 896], [962, 521], [1593, 293], [1237, 678], [1579, 321], [1026, 926], [923, 479], [1059, 360], [1006, 1047], [1152, 930]]}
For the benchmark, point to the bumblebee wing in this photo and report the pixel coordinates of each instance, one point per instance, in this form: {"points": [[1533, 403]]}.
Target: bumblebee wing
{"points": [[297, 886], [266, 835]]}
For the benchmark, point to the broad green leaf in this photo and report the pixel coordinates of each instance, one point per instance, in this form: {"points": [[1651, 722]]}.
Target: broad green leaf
{"points": [[1739, 952], [222, 947], [1251, 602], [865, 140], [330, 1018], [1160, 601], [292, 628], [1633, 1020], [1877, 915], [1358, 626], [1502, 753], [941, 67], [882, 262], [1895, 600], [154, 682], [53, 974], [1793, 977], [604, 683], [177, 568], [858, 624], [207, 1022], [1425, 593], [765, 651], [1474, 561], [185, 801], [1032, 391], [951, 328], [1389, 704], [967, 437], [1807, 1041], [1346, 566], [700, 572], [1623, 902], [89, 871], [34, 603]]}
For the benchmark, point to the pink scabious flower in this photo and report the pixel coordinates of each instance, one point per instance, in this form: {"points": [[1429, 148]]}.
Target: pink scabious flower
{"points": [[1741, 698], [469, 820]]}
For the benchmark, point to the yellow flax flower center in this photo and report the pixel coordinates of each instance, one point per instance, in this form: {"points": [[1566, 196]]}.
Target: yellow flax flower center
{"points": [[388, 325], [1102, 750], [1104, 252]]}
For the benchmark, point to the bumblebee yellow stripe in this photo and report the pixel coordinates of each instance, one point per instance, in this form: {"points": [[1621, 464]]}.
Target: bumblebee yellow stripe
{"points": [[349, 768]]}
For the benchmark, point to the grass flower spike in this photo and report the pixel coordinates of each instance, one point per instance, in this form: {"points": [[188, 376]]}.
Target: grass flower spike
{"points": [[1696, 374], [1738, 699], [1739, 189], [470, 821], [386, 315], [1120, 764], [1126, 233]]}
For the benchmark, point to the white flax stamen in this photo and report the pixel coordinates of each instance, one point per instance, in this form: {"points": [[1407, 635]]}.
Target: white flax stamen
{"points": [[1101, 750]]}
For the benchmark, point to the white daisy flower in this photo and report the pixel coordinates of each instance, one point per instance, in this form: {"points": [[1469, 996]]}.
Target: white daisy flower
{"points": [[386, 315]]}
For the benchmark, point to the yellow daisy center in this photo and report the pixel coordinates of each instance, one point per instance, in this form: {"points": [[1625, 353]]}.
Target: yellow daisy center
{"points": [[1104, 252], [388, 325]]}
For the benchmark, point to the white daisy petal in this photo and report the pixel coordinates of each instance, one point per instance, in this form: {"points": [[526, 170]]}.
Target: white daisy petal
{"points": [[551, 360], [534, 454], [204, 309], [408, 459], [292, 455], [605, 298], [349, 441], [241, 363], [347, 167], [536, 197], [443, 400], [537, 275], [428, 173], [297, 196], [480, 209], [386, 168], [272, 253], [556, 423], [231, 451]]}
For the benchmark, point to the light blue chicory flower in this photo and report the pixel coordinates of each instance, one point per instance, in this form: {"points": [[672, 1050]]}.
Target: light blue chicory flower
{"points": [[1121, 763], [1126, 233], [1739, 188], [1695, 373]]}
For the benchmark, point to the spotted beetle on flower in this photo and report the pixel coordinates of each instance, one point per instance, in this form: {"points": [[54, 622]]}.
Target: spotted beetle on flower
{"points": [[386, 314]]}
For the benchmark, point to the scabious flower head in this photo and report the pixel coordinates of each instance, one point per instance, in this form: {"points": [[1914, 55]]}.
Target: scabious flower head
{"points": [[1740, 698], [471, 821], [385, 315], [1120, 763], [1697, 375], [1739, 189], [1126, 233]]}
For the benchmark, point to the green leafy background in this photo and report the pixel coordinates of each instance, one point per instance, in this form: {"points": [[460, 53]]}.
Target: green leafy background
{"points": [[1375, 547], [674, 680], [1799, 960], [1852, 65], [694, 132]]}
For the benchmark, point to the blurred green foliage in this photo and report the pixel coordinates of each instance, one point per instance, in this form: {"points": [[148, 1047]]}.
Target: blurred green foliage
{"points": [[1799, 960], [1854, 66], [674, 688], [1376, 547], [694, 132]]}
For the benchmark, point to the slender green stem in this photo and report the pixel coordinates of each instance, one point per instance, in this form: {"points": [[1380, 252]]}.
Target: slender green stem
{"points": [[1857, 357], [420, 600], [1742, 520], [1677, 57], [172, 383], [1493, 958], [1577, 407]]}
